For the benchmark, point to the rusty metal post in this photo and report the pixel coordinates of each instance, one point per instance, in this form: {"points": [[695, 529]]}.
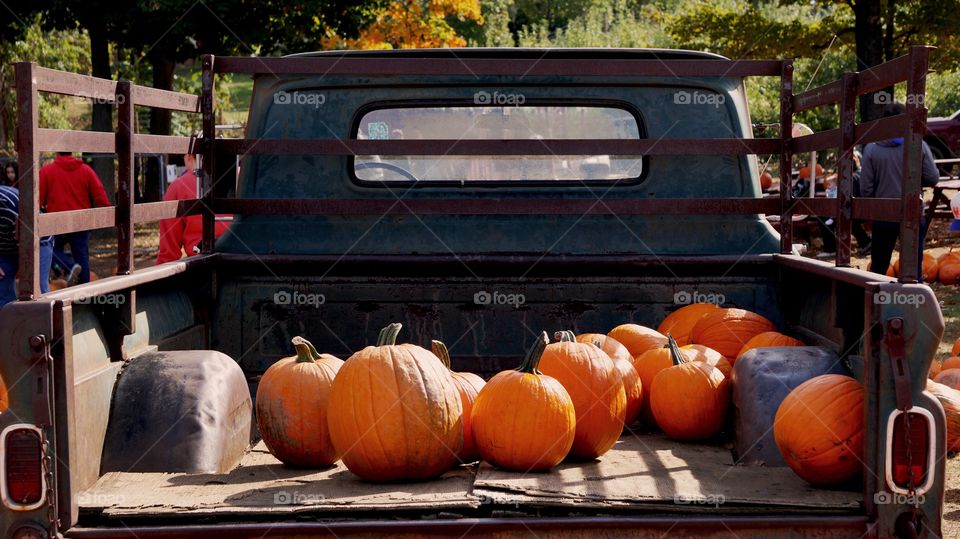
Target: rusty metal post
{"points": [[207, 105], [911, 208], [786, 166], [125, 191], [848, 133], [29, 182]]}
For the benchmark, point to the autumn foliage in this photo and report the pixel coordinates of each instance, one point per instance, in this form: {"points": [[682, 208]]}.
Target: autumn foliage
{"points": [[413, 24]]}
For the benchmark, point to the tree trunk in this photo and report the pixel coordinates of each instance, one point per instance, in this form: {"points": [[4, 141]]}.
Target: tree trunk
{"points": [[102, 117], [160, 119], [868, 30]]}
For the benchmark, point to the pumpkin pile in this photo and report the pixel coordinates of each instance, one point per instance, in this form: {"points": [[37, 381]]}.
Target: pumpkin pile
{"points": [[398, 412], [931, 268]]}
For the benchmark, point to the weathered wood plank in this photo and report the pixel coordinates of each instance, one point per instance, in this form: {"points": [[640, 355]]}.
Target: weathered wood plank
{"points": [[648, 468]]}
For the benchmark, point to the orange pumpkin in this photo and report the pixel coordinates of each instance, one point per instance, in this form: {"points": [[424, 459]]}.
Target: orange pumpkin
{"points": [[611, 346], [952, 362], [710, 357], [955, 351], [395, 412], [766, 181], [727, 330], [679, 323], [623, 361], [950, 400], [4, 396], [638, 339], [805, 172], [949, 377], [819, 429], [949, 273], [648, 365], [929, 266], [935, 369], [769, 339], [524, 420], [949, 267], [689, 399], [593, 382], [469, 386], [58, 284], [292, 403]]}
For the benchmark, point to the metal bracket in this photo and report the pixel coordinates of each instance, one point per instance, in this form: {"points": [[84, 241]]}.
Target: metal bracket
{"points": [[893, 341], [41, 362]]}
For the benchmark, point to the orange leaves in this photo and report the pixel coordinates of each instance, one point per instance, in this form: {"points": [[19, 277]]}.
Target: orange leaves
{"points": [[413, 24]]}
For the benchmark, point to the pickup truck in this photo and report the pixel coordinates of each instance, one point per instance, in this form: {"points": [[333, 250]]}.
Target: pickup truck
{"points": [[943, 136], [477, 196]]}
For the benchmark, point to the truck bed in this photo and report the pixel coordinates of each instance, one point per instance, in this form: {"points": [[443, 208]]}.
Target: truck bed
{"points": [[644, 472]]}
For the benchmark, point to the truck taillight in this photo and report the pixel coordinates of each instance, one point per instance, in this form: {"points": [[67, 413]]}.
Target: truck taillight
{"points": [[910, 461], [22, 483], [910, 451]]}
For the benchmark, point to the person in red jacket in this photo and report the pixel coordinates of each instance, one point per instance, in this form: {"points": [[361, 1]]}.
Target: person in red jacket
{"points": [[184, 233], [69, 184]]}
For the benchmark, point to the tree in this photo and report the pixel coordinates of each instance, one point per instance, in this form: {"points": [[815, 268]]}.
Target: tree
{"points": [[407, 24]]}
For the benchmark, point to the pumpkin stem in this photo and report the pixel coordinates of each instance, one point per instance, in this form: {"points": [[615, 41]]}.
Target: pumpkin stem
{"points": [[675, 354], [305, 350], [388, 335], [440, 350], [596, 342], [313, 350], [533, 355], [565, 336]]}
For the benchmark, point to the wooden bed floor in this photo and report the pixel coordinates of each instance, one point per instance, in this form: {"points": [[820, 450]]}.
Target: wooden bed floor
{"points": [[644, 472]]}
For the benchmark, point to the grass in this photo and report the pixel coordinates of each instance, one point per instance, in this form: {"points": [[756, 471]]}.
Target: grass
{"points": [[241, 90]]}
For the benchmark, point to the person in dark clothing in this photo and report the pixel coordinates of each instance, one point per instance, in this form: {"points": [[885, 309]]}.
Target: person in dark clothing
{"points": [[9, 251], [882, 177]]}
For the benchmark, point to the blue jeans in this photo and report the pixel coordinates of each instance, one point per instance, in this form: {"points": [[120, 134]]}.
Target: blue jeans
{"points": [[79, 253], [9, 265]]}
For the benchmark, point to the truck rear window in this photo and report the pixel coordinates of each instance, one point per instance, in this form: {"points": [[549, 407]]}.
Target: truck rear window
{"points": [[510, 121]]}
